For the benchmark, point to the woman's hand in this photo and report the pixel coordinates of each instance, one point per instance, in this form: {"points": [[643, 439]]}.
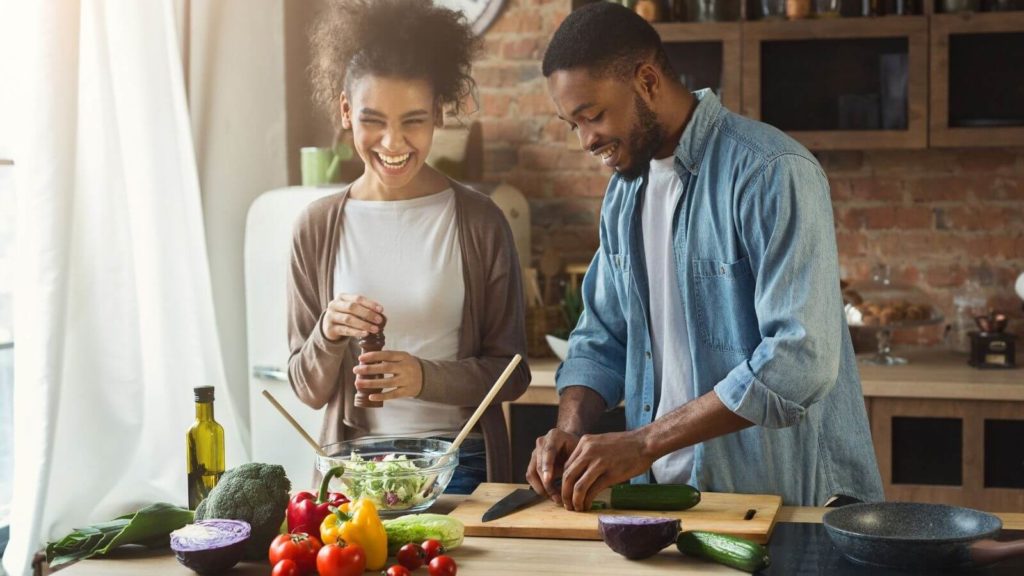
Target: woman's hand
{"points": [[406, 379], [351, 315]]}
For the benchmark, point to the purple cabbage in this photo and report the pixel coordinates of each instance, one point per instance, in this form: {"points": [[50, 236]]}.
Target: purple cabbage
{"points": [[637, 537], [211, 546]]}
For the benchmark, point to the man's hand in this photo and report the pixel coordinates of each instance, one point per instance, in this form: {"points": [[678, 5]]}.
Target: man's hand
{"points": [[545, 470], [403, 374], [599, 461]]}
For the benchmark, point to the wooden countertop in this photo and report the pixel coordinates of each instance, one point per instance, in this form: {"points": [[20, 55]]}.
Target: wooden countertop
{"points": [[929, 374], [512, 556]]}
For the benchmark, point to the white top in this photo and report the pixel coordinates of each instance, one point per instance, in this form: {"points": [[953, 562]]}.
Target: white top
{"points": [[670, 349], [406, 255]]}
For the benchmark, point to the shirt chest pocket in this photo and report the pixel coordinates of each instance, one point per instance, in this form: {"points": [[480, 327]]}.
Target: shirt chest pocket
{"points": [[725, 305]]}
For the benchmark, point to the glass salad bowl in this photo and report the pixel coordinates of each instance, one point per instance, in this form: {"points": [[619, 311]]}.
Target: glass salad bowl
{"points": [[883, 307], [399, 474]]}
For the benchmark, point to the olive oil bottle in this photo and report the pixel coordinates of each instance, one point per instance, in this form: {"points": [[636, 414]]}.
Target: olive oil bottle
{"points": [[205, 447]]}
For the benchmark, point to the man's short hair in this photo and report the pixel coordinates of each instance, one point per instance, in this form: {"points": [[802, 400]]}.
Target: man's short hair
{"points": [[606, 39]]}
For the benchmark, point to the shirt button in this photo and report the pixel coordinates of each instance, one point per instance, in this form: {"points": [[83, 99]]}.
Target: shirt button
{"points": [[647, 407], [648, 354]]}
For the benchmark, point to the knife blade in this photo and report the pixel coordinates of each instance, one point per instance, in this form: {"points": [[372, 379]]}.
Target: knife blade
{"points": [[519, 498]]}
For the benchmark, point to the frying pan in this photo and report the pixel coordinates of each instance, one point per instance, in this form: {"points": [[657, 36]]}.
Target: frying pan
{"points": [[909, 535]]}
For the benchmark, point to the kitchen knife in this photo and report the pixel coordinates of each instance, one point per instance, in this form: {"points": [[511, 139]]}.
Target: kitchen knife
{"points": [[519, 498]]}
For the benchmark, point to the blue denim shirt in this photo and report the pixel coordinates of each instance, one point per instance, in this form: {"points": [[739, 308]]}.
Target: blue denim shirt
{"points": [[757, 267]]}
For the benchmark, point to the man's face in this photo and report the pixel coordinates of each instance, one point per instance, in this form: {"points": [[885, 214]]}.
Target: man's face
{"points": [[610, 117]]}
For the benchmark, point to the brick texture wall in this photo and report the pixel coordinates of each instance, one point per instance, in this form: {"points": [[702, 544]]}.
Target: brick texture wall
{"points": [[938, 218]]}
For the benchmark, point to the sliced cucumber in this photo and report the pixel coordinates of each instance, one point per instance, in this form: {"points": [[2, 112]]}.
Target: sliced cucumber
{"points": [[654, 497], [732, 551]]}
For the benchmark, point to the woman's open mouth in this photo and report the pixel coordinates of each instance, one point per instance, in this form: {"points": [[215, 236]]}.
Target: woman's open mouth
{"points": [[393, 164]]}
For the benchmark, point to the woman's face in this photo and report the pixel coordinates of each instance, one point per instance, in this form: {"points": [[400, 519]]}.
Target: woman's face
{"points": [[392, 122]]}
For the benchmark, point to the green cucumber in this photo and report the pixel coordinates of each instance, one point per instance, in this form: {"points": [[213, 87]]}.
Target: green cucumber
{"points": [[654, 497], [732, 551]]}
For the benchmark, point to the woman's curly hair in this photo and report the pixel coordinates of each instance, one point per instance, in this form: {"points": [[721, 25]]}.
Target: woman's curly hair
{"points": [[411, 39]]}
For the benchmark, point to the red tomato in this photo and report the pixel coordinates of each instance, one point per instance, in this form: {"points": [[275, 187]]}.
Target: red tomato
{"points": [[442, 566], [397, 570], [298, 547], [334, 560], [285, 568], [433, 549], [411, 556]]}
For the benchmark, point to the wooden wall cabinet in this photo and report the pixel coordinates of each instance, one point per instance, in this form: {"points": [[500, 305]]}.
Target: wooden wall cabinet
{"points": [[977, 90], [708, 54], [807, 77]]}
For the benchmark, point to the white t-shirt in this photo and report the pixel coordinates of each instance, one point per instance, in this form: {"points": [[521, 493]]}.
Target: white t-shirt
{"points": [[670, 349], [406, 255]]}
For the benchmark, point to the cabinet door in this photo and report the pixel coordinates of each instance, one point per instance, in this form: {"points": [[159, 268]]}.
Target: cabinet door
{"points": [[977, 94], [839, 84]]}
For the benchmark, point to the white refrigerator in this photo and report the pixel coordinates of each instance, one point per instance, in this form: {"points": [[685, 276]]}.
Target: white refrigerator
{"points": [[268, 243]]}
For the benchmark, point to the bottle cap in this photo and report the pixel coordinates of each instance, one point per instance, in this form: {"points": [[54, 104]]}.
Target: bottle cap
{"points": [[204, 393]]}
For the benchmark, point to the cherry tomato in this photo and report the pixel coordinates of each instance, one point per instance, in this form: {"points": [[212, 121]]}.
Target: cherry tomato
{"points": [[433, 548], [411, 556], [442, 566], [334, 560], [285, 567], [397, 570], [298, 547]]}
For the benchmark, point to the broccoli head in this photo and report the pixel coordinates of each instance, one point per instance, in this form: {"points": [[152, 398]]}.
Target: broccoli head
{"points": [[256, 493]]}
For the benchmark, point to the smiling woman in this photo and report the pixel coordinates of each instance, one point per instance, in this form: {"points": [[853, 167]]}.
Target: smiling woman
{"points": [[403, 243]]}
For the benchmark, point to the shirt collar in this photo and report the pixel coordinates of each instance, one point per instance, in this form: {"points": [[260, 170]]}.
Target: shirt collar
{"points": [[693, 142]]}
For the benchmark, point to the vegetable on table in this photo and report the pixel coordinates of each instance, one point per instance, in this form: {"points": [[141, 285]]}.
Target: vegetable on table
{"points": [[732, 551], [433, 548], [298, 547], [654, 497], [358, 523], [447, 530], [637, 537], [306, 510], [411, 556], [442, 566], [341, 560], [256, 493], [397, 570], [210, 546], [150, 525], [285, 568]]}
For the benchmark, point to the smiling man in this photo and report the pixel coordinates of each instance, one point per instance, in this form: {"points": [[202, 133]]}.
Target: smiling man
{"points": [[712, 307]]}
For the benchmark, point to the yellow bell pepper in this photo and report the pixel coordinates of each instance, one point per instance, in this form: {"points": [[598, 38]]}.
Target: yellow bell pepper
{"points": [[358, 523]]}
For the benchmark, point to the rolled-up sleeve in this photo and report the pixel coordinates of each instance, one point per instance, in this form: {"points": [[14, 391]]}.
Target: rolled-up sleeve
{"points": [[597, 346], [787, 229]]}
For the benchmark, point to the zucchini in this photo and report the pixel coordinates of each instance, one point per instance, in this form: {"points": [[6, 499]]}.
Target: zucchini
{"points": [[654, 497], [732, 551]]}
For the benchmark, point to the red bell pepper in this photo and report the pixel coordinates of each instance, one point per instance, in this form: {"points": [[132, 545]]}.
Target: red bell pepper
{"points": [[306, 511]]}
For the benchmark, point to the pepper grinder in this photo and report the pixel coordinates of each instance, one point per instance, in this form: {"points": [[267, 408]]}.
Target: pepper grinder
{"points": [[372, 342]]}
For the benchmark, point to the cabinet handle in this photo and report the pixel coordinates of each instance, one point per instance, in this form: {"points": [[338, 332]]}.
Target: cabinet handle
{"points": [[272, 373]]}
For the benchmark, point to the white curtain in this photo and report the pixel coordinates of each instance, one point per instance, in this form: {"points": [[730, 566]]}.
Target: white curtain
{"points": [[114, 317]]}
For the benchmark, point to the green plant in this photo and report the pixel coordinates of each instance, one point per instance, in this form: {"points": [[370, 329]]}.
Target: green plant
{"points": [[572, 308]]}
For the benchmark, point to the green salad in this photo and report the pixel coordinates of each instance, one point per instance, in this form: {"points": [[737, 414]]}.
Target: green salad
{"points": [[392, 482]]}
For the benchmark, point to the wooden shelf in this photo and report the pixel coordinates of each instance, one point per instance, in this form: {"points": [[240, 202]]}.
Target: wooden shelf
{"points": [[941, 134], [913, 28], [728, 34]]}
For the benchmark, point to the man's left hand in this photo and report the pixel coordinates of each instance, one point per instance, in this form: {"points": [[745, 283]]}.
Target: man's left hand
{"points": [[599, 461], [403, 374]]}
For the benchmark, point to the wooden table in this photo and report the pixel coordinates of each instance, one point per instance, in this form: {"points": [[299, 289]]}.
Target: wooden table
{"points": [[511, 556]]}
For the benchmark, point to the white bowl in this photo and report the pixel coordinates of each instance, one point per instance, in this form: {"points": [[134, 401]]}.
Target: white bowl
{"points": [[559, 346]]}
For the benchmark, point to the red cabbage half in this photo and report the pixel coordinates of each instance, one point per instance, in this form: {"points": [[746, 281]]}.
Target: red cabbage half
{"points": [[210, 546], [637, 537]]}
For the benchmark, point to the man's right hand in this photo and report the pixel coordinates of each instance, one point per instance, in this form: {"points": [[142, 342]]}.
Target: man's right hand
{"points": [[351, 315], [545, 470]]}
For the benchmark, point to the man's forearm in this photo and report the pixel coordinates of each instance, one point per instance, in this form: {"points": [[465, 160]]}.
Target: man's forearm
{"points": [[701, 419], [579, 409]]}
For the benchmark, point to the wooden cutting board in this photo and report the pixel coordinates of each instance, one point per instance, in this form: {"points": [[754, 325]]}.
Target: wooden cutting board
{"points": [[716, 512]]}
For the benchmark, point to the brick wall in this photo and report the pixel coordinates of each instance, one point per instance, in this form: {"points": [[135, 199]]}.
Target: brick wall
{"points": [[938, 217]]}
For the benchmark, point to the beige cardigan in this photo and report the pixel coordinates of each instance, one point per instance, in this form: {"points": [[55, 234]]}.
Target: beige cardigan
{"points": [[493, 329]]}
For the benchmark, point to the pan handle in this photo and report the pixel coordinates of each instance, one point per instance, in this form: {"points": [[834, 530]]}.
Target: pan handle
{"points": [[984, 552]]}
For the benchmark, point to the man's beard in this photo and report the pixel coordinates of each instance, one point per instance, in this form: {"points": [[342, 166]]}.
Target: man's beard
{"points": [[644, 140]]}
